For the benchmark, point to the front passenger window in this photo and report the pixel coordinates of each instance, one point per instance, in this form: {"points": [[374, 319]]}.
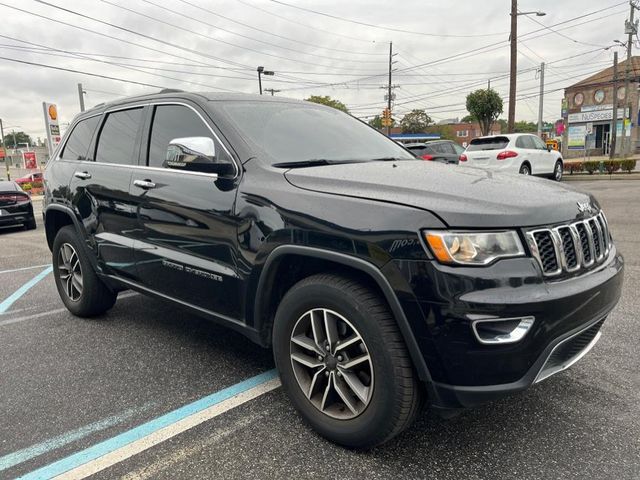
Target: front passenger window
{"points": [[194, 146]]}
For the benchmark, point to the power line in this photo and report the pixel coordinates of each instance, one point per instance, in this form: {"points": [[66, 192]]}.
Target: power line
{"points": [[268, 32], [305, 25], [235, 45], [389, 29]]}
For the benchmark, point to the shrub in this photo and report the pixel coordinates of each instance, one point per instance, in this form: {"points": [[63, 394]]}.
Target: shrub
{"points": [[628, 165], [612, 166], [36, 185], [573, 167], [26, 187], [591, 166]]}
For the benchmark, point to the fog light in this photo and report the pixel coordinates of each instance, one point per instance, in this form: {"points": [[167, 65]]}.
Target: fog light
{"points": [[492, 331]]}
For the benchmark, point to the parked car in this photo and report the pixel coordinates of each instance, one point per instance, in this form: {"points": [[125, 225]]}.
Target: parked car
{"points": [[444, 151], [515, 153], [15, 206], [35, 177], [380, 281]]}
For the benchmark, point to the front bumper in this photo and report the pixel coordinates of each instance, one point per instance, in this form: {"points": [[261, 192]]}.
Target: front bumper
{"points": [[441, 301]]}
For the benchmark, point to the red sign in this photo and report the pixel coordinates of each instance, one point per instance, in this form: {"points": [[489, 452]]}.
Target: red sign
{"points": [[30, 162], [2, 154]]}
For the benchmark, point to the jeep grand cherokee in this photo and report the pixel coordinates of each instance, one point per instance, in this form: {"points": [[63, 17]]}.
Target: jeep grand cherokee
{"points": [[379, 280]]}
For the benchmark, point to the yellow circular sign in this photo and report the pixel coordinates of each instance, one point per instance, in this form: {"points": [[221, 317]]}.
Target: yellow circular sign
{"points": [[53, 112]]}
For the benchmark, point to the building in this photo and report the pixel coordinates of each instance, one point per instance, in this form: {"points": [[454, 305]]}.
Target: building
{"points": [[587, 111]]}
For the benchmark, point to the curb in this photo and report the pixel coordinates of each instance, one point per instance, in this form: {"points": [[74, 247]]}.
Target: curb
{"points": [[600, 177]]}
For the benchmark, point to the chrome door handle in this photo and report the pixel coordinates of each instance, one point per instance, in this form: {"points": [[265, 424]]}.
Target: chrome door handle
{"points": [[82, 175], [146, 184]]}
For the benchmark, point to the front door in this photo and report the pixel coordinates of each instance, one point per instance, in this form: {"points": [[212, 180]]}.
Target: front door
{"points": [[187, 238]]}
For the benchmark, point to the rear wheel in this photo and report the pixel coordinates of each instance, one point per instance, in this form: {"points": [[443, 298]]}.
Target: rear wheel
{"points": [[80, 289], [343, 362], [525, 169], [557, 171]]}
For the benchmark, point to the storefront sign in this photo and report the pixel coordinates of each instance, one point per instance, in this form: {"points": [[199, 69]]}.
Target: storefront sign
{"points": [[52, 125], [30, 162], [595, 108], [576, 137], [595, 116], [2, 154]]}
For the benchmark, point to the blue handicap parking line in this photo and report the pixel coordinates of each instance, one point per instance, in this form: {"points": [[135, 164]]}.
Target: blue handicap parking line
{"points": [[15, 296]]}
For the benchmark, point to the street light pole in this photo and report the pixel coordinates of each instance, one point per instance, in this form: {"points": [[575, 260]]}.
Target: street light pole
{"points": [[260, 70], [541, 100], [631, 28]]}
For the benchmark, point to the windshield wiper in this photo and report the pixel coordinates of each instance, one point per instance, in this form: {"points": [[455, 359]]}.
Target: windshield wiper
{"points": [[316, 162]]}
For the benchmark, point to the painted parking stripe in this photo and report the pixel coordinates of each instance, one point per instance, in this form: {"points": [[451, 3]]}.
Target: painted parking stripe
{"points": [[116, 449], [15, 296], [21, 456], [25, 268]]}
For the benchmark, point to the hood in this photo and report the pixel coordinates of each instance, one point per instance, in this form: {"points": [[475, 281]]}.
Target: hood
{"points": [[461, 196]]}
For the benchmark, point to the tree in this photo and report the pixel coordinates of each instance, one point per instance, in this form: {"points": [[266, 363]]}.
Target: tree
{"points": [[484, 105], [467, 119], [446, 132], [416, 121], [328, 101], [525, 127], [16, 138], [376, 122]]}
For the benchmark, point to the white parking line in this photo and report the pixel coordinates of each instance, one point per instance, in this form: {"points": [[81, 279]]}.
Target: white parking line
{"points": [[25, 268]]}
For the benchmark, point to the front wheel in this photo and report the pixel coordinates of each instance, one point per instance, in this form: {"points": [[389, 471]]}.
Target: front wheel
{"points": [[80, 289], [525, 169], [557, 171], [343, 362]]}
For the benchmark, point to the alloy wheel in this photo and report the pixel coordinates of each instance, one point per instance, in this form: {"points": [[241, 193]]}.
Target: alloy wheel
{"points": [[331, 364], [70, 271], [558, 172]]}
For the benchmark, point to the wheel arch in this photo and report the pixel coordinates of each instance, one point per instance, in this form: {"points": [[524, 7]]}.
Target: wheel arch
{"points": [[56, 217], [267, 296]]}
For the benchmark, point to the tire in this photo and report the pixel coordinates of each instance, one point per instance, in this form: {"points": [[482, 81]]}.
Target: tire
{"points": [[87, 297], [557, 171], [525, 169], [392, 396]]}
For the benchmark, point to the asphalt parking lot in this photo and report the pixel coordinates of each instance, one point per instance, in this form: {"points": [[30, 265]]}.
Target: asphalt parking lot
{"points": [[68, 385]]}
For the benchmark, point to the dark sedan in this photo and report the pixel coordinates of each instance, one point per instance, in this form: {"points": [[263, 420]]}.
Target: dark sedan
{"points": [[444, 151], [15, 206]]}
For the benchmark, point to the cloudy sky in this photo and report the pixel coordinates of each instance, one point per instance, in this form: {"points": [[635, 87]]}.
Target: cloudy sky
{"points": [[444, 50]]}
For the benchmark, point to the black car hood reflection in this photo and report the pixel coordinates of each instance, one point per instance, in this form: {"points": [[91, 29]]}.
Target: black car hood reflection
{"points": [[460, 196]]}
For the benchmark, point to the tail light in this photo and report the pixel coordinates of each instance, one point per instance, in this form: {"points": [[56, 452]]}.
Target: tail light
{"points": [[462, 157], [22, 197], [8, 198], [426, 156], [507, 154]]}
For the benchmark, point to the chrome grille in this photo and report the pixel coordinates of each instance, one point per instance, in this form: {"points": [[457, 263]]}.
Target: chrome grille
{"points": [[570, 247]]}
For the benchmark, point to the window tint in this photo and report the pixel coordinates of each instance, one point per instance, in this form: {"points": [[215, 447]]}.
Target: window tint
{"points": [[77, 146], [520, 143], [118, 137], [457, 148], [528, 142], [446, 147], [539, 144], [176, 121], [488, 143]]}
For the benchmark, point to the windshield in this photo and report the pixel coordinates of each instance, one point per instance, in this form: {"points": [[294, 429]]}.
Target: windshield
{"points": [[298, 132], [488, 143]]}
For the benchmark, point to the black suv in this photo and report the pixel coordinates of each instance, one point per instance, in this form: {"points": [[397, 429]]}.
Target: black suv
{"points": [[378, 279]]}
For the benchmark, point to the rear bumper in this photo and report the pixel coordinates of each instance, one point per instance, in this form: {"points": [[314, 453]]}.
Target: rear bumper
{"points": [[442, 302], [15, 215]]}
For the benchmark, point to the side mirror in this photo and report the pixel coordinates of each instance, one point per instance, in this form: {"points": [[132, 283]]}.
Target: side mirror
{"points": [[549, 148], [195, 154]]}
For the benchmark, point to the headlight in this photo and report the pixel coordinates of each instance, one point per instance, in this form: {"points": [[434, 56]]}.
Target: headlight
{"points": [[473, 248]]}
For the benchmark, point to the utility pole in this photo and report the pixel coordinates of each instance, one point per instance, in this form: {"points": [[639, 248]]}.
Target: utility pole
{"points": [[631, 28], [81, 97], [513, 66], [489, 84], [262, 71], [613, 131], [541, 100], [4, 146], [389, 86], [272, 91]]}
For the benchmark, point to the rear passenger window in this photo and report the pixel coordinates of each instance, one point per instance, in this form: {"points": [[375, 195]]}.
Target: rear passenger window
{"points": [[77, 146], [118, 137], [176, 122]]}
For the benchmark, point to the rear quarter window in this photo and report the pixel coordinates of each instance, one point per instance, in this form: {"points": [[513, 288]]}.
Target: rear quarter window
{"points": [[77, 146], [489, 143]]}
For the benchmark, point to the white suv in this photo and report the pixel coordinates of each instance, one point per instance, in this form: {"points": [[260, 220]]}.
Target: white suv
{"points": [[516, 153]]}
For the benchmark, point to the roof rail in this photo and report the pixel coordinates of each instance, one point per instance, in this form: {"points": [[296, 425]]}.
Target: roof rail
{"points": [[171, 90]]}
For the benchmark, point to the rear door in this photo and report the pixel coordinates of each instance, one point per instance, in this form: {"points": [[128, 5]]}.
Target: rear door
{"points": [[187, 234], [100, 188]]}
